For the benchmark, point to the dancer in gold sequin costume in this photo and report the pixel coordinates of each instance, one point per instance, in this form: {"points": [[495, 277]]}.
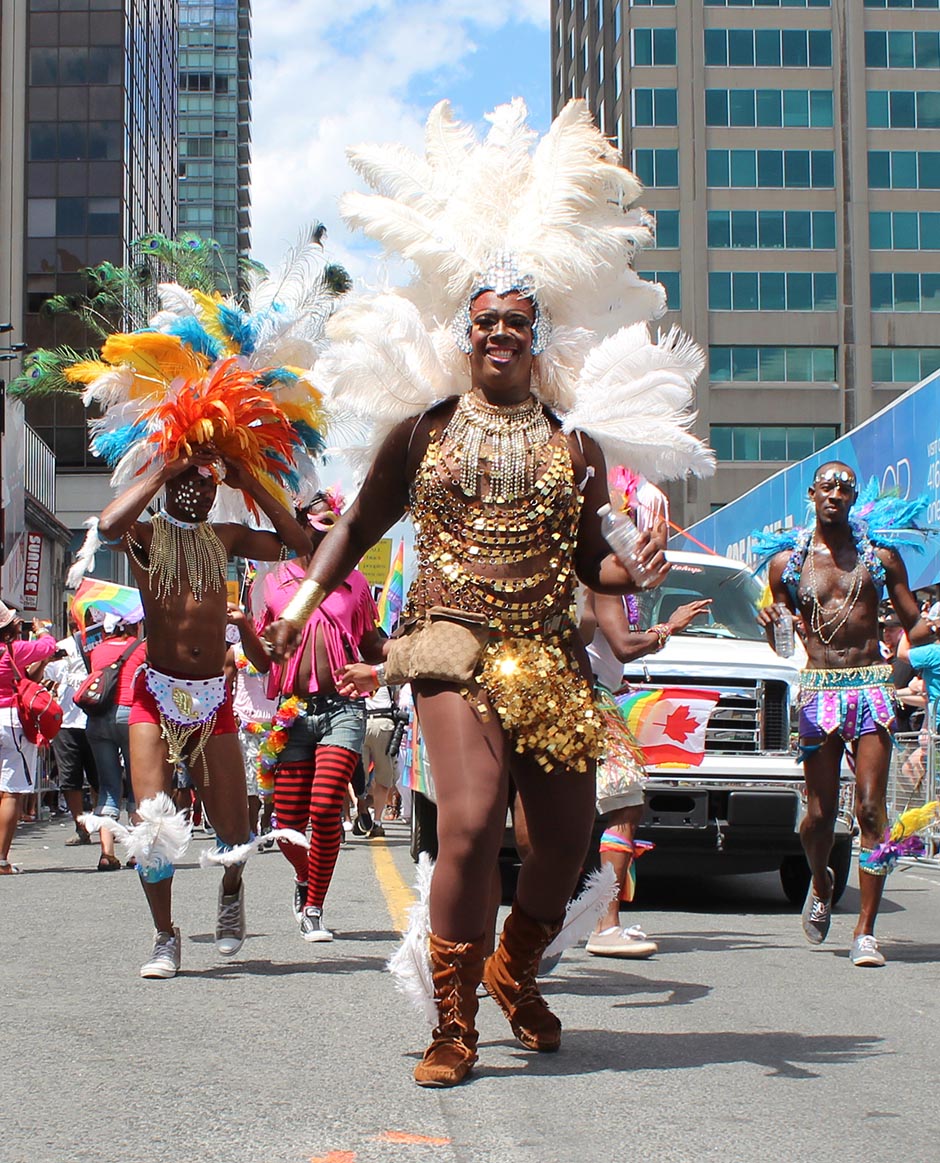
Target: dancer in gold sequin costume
{"points": [[471, 379]]}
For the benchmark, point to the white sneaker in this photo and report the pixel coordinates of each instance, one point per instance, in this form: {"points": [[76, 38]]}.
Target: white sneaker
{"points": [[230, 922], [617, 942], [165, 960], [312, 927]]}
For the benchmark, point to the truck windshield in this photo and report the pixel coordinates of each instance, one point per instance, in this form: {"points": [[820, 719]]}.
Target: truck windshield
{"points": [[735, 595]]}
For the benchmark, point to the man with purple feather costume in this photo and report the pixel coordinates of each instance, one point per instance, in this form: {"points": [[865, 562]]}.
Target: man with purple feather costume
{"points": [[832, 574]]}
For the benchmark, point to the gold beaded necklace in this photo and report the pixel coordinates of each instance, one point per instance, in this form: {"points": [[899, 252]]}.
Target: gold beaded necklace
{"points": [[825, 627], [508, 439], [194, 545]]}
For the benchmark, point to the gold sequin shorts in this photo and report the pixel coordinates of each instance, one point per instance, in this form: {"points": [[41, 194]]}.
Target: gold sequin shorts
{"points": [[542, 701]]}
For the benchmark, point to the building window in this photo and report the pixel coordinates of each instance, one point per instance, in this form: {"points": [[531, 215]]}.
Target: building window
{"points": [[649, 4], [769, 48], [653, 46], [772, 229], [903, 109], [667, 229], [769, 107], [770, 168], [905, 291], [903, 365], [897, 3], [902, 49], [785, 365], [657, 167], [903, 169], [904, 230], [655, 107], [770, 4], [772, 291], [771, 442], [671, 284]]}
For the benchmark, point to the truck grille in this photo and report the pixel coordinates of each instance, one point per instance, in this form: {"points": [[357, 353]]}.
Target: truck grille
{"points": [[751, 715]]}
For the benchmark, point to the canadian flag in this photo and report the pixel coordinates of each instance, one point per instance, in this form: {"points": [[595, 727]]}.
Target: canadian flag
{"points": [[669, 723]]}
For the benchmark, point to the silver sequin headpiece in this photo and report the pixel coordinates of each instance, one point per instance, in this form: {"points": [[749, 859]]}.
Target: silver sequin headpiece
{"points": [[503, 275]]}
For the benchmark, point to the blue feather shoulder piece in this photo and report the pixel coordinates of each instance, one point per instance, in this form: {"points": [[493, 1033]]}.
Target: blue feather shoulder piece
{"points": [[889, 520]]}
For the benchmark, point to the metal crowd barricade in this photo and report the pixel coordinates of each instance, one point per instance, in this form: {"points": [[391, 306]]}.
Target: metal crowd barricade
{"points": [[46, 780], [912, 778]]}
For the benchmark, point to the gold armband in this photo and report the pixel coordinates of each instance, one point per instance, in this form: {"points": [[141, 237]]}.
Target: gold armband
{"points": [[298, 610]]}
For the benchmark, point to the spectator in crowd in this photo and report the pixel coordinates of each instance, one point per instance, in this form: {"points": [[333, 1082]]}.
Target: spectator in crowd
{"points": [[74, 760], [17, 754], [109, 731]]}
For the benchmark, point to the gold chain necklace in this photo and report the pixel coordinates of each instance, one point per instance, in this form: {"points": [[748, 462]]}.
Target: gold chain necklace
{"points": [[508, 439], [826, 627], [178, 544]]}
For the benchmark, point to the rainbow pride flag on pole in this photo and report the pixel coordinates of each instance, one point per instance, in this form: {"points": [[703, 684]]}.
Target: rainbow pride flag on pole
{"points": [[108, 597], [392, 597], [669, 723]]}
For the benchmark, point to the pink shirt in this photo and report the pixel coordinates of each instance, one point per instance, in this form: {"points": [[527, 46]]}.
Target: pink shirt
{"points": [[342, 620], [25, 654]]}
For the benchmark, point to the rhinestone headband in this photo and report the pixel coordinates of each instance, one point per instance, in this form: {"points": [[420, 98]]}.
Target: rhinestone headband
{"points": [[503, 275], [831, 475]]}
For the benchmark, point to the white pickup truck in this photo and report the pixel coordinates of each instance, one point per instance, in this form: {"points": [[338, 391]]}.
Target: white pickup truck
{"points": [[740, 809]]}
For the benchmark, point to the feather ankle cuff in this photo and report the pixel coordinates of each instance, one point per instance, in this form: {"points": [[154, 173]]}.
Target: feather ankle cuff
{"points": [[239, 853], [410, 964]]}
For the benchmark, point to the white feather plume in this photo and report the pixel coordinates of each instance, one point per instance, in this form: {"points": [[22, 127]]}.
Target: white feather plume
{"points": [[585, 910], [241, 852], [85, 558], [634, 397], [410, 964], [92, 823], [162, 835]]}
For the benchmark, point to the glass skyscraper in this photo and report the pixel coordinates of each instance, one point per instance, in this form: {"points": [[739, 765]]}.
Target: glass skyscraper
{"points": [[215, 126], [791, 153]]}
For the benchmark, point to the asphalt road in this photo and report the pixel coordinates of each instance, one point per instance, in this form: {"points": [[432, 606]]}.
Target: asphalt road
{"points": [[737, 1042]]}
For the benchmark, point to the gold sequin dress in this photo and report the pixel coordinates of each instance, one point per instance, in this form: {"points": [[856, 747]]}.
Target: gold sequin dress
{"points": [[512, 559]]}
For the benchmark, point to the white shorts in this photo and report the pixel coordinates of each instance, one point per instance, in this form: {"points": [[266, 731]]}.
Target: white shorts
{"points": [[17, 755]]}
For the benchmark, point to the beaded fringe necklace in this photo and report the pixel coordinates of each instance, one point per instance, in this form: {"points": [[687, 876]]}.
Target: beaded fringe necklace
{"points": [[194, 545], [824, 626], [508, 440]]}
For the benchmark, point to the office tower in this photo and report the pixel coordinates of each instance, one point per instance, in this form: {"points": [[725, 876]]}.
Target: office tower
{"points": [[100, 172], [791, 152], [215, 127]]}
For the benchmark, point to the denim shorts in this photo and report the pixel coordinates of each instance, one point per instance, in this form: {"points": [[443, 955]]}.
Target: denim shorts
{"points": [[327, 720]]}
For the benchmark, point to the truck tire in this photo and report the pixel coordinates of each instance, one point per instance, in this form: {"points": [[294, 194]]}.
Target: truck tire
{"points": [[423, 827], [794, 872]]}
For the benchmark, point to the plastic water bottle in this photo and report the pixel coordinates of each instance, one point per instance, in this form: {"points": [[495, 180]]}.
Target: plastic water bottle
{"points": [[783, 635], [621, 535]]}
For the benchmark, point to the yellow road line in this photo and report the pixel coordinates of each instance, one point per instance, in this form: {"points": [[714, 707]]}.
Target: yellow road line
{"points": [[398, 896]]}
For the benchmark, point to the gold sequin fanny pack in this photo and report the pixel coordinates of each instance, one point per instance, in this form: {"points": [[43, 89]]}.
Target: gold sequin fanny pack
{"points": [[444, 645]]}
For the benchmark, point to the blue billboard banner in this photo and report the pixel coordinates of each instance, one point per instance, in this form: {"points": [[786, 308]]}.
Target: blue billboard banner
{"points": [[900, 446]]}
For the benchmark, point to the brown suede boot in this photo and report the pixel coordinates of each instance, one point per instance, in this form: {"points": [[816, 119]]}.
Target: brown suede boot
{"points": [[456, 969], [509, 977]]}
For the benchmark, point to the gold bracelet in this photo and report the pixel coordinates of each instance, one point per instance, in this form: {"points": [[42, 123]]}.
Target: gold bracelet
{"points": [[298, 610]]}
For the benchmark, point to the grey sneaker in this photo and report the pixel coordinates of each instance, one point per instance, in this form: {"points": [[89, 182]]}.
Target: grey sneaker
{"points": [[865, 952], [817, 913], [165, 960], [617, 942], [300, 900], [230, 922], [312, 927]]}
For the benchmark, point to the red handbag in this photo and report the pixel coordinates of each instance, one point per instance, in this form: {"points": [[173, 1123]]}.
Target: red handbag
{"points": [[98, 691], [39, 712]]}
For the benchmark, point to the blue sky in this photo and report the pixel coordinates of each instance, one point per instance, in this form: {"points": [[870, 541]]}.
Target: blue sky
{"points": [[333, 73]]}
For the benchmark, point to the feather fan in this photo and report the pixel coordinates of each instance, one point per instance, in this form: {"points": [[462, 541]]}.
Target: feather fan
{"points": [[410, 964], [85, 558]]}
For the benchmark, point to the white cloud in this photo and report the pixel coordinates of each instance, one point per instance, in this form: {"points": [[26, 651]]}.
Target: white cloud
{"points": [[331, 74]]}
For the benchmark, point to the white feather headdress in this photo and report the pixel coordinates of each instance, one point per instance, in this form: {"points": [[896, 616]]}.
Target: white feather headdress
{"points": [[558, 211]]}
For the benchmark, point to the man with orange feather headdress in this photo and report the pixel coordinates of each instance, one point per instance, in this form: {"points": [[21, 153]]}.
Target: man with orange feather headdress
{"points": [[210, 392]]}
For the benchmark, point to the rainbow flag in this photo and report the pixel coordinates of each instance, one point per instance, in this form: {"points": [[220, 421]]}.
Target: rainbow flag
{"points": [[108, 597], [392, 597], [669, 723]]}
